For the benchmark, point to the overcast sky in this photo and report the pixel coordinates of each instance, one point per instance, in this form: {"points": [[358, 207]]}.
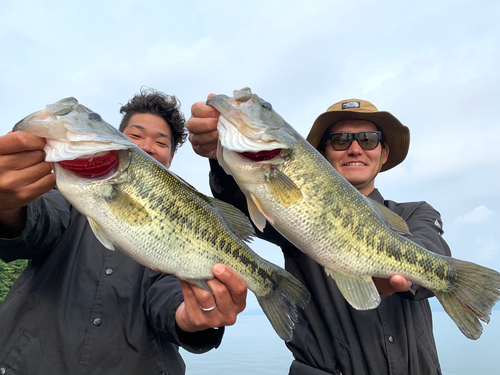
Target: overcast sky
{"points": [[433, 64]]}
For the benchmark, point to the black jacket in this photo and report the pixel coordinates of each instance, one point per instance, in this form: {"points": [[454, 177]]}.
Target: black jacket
{"points": [[333, 338], [79, 308]]}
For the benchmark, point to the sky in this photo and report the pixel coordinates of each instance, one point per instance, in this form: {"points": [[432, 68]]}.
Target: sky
{"points": [[432, 64]]}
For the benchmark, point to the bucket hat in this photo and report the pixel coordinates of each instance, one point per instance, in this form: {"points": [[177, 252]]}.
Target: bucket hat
{"points": [[397, 136]]}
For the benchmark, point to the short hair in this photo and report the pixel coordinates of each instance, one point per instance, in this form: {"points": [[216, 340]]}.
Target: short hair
{"points": [[159, 104]]}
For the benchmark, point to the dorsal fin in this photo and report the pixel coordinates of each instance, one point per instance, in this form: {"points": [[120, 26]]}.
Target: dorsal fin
{"points": [[238, 220], [390, 218]]}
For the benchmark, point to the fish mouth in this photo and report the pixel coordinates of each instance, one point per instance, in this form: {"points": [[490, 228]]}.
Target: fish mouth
{"points": [[261, 155], [93, 166]]}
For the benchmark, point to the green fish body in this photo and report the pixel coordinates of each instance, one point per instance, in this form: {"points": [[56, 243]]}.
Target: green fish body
{"points": [[292, 186], [151, 214]]}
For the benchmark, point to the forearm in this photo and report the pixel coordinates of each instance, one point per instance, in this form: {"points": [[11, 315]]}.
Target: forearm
{"points": [[12, 222], [46, 220]]}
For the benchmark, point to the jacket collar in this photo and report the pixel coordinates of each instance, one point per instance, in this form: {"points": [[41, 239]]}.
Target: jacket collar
{"points": [[376, 196]]}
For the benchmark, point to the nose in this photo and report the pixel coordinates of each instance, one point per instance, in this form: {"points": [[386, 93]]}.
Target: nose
{"points": [[146, 145], [355, 148]]}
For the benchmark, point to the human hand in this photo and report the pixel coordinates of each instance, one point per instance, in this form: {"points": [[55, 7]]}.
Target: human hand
{"points": [[202, 128], [395, 284], [229, 299], [24, 174]]}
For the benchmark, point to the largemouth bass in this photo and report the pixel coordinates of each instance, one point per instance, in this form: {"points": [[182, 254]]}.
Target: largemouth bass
{"points": [[291, 185], [134, 203]]}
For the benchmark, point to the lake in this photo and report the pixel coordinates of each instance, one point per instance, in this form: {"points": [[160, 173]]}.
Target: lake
{"points": [[252, 347]]}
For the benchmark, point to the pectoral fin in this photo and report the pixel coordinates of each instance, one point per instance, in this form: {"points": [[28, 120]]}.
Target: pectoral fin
{"points": [[360, 292], [284, 190], [128, 209], [101, 236]]}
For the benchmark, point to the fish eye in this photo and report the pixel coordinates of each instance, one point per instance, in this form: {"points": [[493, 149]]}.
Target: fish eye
{"points": [[94, 116], [267, 105]]}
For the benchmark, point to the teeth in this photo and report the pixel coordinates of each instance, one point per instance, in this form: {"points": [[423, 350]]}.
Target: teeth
{"points": [[355, 164]]}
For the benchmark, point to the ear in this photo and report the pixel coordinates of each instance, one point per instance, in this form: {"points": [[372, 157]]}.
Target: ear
{"points": [[385, 154]]}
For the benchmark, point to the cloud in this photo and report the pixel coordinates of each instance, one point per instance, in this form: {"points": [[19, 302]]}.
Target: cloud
{"points": [[477, 215], [487, 249]]}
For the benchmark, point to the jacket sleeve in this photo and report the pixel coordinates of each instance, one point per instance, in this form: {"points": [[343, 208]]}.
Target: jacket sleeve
{"points": [[426, 228], [163, 295], [47, 220]]}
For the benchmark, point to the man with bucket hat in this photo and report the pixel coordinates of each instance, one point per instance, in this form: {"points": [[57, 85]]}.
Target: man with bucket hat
{"points": [[331, 337], [395, 133]]}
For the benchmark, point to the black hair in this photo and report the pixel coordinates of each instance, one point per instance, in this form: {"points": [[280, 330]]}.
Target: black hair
{"points": [[159, 104]]}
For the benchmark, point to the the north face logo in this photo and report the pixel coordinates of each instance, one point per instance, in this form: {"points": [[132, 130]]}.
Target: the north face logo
{"points": [[348, 105]]}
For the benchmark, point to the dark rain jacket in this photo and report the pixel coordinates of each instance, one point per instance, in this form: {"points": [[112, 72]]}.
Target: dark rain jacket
{"points": [[79, 308], [331, 337]]}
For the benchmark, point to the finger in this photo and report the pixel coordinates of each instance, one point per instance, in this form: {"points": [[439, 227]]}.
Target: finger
{"points": [[384, 286], [208, 150], [233, 283], [202, 298], [13, 179], [195, 299], [204, 139], [202, 109], [21, 160], [400, 283], [18, 141], [188, 316], [202, 125]]}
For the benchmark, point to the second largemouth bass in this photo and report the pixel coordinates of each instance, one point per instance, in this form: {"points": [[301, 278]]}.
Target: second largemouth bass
{"points": [[292, 186]]}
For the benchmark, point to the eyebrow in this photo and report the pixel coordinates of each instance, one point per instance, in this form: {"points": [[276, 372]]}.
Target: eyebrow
{"points": [[143, 128]]}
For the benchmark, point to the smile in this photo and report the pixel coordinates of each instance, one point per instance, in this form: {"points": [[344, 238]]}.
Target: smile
{"points": [[357, 164]]}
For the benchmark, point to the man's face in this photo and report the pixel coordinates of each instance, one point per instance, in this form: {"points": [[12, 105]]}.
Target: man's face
{"points": [[357, 165], [152, 134]]}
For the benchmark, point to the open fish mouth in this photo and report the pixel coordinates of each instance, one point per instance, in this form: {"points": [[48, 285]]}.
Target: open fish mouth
{"points": [[93, 166], [261, 155]]}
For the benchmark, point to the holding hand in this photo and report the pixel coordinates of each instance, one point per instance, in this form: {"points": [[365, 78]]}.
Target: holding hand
{"points": [[202, 128], [24, 177], [394, 284], [202, 310]]}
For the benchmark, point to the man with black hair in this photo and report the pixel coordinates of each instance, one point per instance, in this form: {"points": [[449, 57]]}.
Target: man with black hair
{"points": [[79, 308]]}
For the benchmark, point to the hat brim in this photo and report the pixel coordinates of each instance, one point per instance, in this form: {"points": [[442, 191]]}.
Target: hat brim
{"points": [[397, 136]]}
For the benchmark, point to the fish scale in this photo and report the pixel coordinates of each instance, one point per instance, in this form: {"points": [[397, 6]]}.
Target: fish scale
{"points": [[152, 215], [315, 208]]}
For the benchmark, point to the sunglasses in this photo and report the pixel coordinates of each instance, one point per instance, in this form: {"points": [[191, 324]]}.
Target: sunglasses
{"points": [[343, 140]]}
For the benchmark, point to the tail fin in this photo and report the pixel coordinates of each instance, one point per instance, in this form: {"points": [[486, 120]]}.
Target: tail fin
{"points": [[474, 293], [280, 305]]}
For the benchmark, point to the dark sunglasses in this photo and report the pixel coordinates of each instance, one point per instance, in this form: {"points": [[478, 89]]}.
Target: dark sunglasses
{"points": [[343, 140]]}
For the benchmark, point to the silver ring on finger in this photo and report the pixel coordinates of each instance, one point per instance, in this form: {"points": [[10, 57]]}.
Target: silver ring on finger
{"points": [[209, 309]]}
